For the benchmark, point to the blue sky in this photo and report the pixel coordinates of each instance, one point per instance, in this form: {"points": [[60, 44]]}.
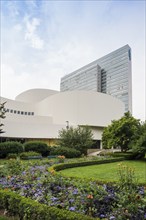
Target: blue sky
{"points": [[43, 40]]}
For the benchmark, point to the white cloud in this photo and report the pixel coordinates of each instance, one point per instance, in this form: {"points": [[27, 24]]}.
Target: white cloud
{"points": [[31, 35], [13, 9], [18, 27]]}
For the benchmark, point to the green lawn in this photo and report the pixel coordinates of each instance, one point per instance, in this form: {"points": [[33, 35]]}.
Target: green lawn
{"points": [[107, 172]]}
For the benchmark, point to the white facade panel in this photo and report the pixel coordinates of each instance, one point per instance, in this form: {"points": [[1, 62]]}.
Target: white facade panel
{"points": [[50, 114]]}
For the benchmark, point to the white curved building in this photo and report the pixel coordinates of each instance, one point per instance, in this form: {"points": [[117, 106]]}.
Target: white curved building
{"points": [[41, 113]]}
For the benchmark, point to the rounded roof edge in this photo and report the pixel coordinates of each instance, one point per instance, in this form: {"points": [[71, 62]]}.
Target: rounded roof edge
{"points": [[34, 95]]}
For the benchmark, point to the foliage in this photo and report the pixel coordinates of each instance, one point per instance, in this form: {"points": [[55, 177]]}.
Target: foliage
{"points": [[79, 138], [84, 163], [130, 200], [37, 146], [29, 209], [5, 218], [139, 145], [12, 156], [60, 195], [127, 178], [66, 151], [121, 132], [126, 155], [2, 115], [10, 147], [14, 167], [25, 155], [61, 158]]}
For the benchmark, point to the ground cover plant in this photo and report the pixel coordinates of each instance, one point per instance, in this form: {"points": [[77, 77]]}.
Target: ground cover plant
{"points": [[107, 172], [107, 201]]}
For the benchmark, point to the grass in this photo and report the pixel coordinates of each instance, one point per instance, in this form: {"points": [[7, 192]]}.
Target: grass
{"points": [[107, 172]]}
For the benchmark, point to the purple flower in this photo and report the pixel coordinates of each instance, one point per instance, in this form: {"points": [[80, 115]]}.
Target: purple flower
{"points": [[54, 199], [102, 216], [75, 192], [71, 200], [112, 217], [72, 208]]}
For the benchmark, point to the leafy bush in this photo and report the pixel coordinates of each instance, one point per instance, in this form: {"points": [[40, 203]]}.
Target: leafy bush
{"points": [[122, 154], [37, 146], [127, 178], [120, 133], [139, 150], [26, 155], [10, 147], [67, 152], [12, 156], [14, 167], [5, 218], [79, 138], [84, 163], [61, 158], [29, 209]]}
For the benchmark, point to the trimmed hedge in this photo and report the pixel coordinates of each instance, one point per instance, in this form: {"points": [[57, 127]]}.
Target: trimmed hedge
{"points": [[63, 166], [30, 155], [28, 209], [3, 218], [126, 155], [12, 156], [65, 151], [10, 147], [37, 146]]}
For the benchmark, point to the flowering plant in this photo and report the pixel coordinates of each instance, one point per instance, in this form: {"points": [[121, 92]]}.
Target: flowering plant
{"points": [[105, 201], [61, 158], [127, 178]]}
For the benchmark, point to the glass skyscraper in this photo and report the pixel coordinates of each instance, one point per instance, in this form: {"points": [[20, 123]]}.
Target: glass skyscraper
{"points": [[110, 74]]}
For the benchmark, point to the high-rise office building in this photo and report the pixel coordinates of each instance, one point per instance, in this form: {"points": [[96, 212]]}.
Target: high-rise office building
{"points": [[110, 74]]}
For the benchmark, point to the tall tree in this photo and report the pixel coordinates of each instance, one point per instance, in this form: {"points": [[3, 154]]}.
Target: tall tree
{"points": [[2, 115], [80, 138], [121, 132], [139, 145]]}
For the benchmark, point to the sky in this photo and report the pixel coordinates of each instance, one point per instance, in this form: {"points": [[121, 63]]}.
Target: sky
{"points": [[43, 40]]}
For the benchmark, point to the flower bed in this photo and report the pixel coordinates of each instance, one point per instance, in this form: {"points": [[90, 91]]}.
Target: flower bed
{"points": [[45, 186], [26, 208]]}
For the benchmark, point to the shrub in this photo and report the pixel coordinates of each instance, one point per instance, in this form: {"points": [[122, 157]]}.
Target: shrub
{"points": [[127, 155], [139, 150], [3, 218], [63, 166], [37, 146], [27, 155], [10, 147], [61, 158], [67, 152], [12, 156], [79, 138], [14, 167], [127, 178], [29, 209]]}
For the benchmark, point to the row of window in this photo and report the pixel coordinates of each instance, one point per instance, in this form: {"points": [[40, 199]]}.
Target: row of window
{"points": [[19, 112]]}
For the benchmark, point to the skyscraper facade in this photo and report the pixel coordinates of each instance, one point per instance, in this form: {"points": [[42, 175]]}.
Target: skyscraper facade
{"points": [[110, 74]]}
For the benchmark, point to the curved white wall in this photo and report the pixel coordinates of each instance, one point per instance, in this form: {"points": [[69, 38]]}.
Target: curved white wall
{"points": [[81, 107], [34, 95], [51, 113]]}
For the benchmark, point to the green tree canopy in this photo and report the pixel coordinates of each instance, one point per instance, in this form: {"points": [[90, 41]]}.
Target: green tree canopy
{"points": [[2, 115], [80, 138], [139, 145], [121, 132]]}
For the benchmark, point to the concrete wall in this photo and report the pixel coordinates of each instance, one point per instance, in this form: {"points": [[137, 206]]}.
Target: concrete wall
{"points": [[50, 114]]}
